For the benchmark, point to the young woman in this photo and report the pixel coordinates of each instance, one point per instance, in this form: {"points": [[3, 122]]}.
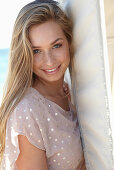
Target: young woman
{"points": [[38, 124]]}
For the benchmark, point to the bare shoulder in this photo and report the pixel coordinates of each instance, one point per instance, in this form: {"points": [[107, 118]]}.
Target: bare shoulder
{"points": [[30, 157]]}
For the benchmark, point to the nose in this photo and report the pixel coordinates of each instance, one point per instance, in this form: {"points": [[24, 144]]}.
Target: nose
{"points": [[48, 58]]}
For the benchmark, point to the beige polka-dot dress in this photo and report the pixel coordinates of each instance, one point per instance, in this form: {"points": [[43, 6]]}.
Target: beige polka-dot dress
{"points": [[48, 127]]}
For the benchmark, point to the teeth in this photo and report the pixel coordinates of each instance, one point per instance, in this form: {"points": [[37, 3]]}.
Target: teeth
{"points": [[51, 70]]}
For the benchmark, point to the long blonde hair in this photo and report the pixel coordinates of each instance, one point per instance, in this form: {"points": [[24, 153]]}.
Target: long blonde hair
{"points": [[20, 69]]}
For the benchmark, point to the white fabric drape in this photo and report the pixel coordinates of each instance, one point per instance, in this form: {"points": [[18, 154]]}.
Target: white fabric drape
{"points": [[91, 85], [109, 17]]}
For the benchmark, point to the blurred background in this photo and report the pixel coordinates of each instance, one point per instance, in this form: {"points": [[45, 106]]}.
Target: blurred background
{"points": [[8, 13]]}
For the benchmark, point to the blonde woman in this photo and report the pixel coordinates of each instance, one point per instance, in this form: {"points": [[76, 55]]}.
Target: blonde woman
{"points": [[38, 124]]}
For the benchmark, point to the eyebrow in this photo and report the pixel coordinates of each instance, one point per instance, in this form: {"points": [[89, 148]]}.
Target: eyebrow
{"points": [[50, 44]]}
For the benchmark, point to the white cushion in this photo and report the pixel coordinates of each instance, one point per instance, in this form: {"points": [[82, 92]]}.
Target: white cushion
{"points": [[91, 82]]}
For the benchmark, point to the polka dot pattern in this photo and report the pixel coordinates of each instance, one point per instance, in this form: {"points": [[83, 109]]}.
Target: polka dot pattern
{"points": [[48, 127]]}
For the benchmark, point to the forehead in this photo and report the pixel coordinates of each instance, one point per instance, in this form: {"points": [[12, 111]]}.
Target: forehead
{"points": [[45, 32]]}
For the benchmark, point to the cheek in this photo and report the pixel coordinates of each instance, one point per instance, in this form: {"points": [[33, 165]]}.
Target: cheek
{"points": [[36, 63], [66, 53], [36, 59], [66, 56], [34, 68]]}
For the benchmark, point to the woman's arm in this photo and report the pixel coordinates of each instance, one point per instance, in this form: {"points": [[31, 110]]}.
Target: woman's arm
{"points": [[30, 157]]}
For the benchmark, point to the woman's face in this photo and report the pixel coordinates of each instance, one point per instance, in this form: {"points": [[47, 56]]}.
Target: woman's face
{"points": [[51, 51]]}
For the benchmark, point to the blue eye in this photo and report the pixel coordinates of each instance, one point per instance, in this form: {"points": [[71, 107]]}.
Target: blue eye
{"points": [[57, 45], [36, 51]]}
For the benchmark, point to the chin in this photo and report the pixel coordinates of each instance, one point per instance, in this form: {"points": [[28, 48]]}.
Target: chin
{"points": [[54, 78]]}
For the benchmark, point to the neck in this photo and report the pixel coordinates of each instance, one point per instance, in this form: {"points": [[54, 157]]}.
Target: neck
{"points": [[51, 89]]}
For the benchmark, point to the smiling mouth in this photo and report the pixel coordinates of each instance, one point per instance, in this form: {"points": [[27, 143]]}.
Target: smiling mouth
{"points": [[52, 71]]}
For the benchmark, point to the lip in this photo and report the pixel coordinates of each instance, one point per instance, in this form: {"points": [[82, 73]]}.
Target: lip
{"points": [[54, 70]]}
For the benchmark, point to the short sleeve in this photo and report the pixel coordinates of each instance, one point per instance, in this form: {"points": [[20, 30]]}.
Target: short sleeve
{"points": [[22, 122]]}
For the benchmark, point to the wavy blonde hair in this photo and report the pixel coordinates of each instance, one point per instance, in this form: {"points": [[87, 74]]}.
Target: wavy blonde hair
{"points": [[20, 71]]}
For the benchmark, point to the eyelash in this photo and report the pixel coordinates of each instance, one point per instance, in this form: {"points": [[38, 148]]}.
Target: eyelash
{"points": [[56, 45], [36, 51]]}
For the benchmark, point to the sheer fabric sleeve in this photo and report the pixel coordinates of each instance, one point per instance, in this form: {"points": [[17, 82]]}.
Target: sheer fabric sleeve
{"points": [[21, 122]]}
